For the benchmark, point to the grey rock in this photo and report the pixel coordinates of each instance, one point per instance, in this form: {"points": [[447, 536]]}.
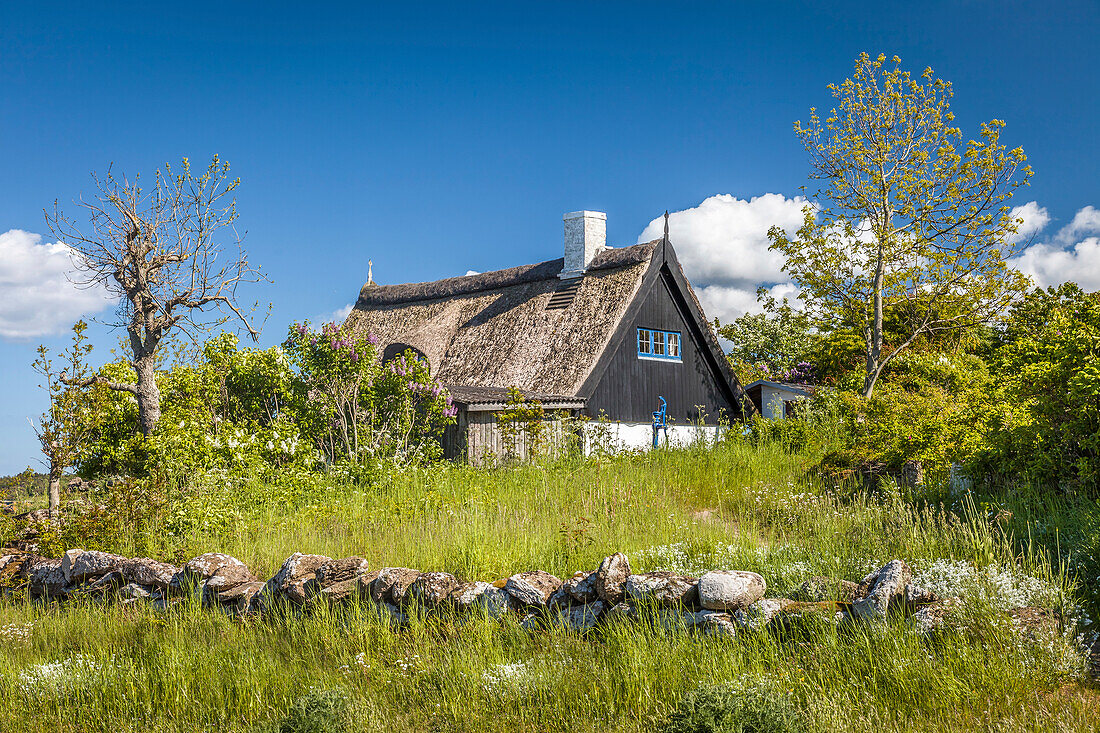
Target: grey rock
{"points": [[610, 578], [759, 614], [143, 571], [45, 578], [432, 589], [533, 587], [392, 584], [291, 583], [82, 565], [662, 589], [495, 601], [882, 591], [213, 572], [581, 617], [622, 611], [337, 571], [715, 623], [582, 586], [728, 590], [133, 591], [240, 599]]}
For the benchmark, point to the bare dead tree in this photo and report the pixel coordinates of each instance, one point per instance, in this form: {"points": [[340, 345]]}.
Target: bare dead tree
{"points": [[171, 256]]}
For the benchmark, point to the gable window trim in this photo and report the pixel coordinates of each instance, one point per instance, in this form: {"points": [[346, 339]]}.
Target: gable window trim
{"points": [[659, 345]]}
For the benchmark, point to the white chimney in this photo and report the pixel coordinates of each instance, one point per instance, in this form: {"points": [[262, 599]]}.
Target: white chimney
{"points": [[585, 237]]}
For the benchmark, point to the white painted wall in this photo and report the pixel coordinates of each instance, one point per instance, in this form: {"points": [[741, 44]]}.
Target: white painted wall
{"points": [[622, 436], [772, 399]]}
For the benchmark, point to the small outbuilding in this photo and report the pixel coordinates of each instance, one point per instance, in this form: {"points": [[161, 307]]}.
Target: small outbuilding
{"points": [[776, 400], [605, 334]]}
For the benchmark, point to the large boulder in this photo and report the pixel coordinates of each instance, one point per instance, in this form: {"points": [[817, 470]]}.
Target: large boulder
{"points": [[611, 577], [210, 574], [149, 573], [392, 584], [882, 591], [532, 588], [661, 588], [432, 589], [290, 584], [729, 590], [582, 586], [83, 565]]}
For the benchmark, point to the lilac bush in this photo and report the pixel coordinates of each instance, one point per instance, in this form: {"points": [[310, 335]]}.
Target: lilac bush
{"points": [[360, 407]]}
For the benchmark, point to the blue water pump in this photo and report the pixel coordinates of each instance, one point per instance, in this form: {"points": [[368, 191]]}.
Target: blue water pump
{"points": [[660, 422]]}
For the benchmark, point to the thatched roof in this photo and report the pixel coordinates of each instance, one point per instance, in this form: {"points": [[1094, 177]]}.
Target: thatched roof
{"points": [[494, 329]]}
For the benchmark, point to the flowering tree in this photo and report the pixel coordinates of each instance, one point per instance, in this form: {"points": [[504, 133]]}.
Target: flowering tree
{"points": [[359, 405]]}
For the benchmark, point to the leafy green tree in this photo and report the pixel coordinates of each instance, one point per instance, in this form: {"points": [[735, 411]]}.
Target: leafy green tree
{"points": [[1046, 415], [909, 218], [774, 344], [358, 406]]}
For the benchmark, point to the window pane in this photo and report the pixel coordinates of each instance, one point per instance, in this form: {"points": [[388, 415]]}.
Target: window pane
{"points": [[643, 341], [659, 343], [674, 344]]}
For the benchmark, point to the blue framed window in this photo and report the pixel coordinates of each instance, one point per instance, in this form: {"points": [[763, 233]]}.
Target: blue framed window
{"points": [[655, 344]]}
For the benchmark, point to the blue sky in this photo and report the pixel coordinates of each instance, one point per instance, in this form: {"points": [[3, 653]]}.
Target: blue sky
{"points": [[435, 139]]}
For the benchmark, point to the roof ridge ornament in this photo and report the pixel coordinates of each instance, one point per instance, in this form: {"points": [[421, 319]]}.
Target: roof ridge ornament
{"points": [[666, 226], [370, 272]]}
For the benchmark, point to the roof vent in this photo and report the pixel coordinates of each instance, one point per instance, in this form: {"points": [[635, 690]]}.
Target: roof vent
{"points": [[563, 297], [585, 236]]}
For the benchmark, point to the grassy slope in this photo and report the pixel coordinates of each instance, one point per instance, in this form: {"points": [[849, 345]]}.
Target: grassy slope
{"points": [[195, 670]]}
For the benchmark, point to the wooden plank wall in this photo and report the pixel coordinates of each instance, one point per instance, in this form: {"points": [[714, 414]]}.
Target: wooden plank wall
{"points": [[486, 441]]}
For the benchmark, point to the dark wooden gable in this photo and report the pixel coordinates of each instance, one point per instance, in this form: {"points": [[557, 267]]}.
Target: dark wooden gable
{"points": [[626, 388]]}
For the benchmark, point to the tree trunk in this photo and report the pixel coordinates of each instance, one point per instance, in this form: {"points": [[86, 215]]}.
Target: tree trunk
{"points": [[148, 395], [874, 339], [55, 493]]}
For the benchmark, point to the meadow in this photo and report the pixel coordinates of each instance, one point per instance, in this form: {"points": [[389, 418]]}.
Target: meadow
{"points": [[734, 506]]}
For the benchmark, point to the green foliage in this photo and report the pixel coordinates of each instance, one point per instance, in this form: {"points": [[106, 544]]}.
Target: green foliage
{"points": [[232, 408], [731, 709], [318, 711], [358, 407], [931, 407], [910, 218], [1045, 422], [523, 427], [775, 344]]}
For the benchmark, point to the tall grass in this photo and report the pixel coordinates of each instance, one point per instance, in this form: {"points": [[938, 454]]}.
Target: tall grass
{"points": [[90, 668]]}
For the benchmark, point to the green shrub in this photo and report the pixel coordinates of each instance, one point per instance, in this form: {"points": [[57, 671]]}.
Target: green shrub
{"points": [[730, 709], [318, 711]]}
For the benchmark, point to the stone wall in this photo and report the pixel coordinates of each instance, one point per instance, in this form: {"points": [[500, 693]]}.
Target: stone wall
{"points": [[718, 603]]}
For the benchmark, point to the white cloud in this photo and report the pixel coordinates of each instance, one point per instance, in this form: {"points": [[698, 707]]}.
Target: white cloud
{"points": [[337, 316], [1035, 219], [1069, 256], [1085, 221], [1051, 264], [37, 295], [723, 245]]}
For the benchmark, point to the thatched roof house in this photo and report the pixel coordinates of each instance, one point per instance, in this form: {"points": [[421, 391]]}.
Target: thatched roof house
{"points": [[600, 331]]}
